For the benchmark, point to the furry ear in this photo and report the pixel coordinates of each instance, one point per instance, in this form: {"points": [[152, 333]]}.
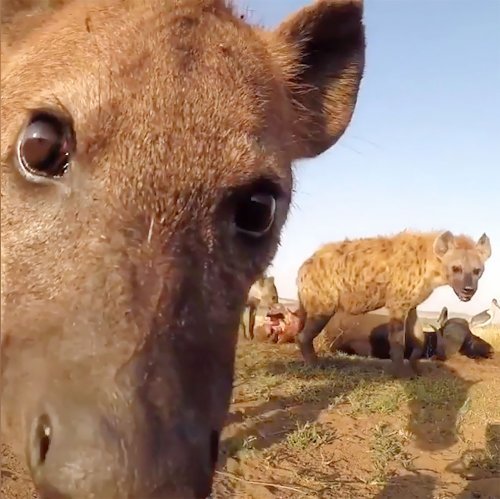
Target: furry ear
{"points": [[320, 50], [483, 246], [443, 243], [443, 317]]}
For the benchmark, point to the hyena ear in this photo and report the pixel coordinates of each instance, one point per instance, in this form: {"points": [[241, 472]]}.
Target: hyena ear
{"points": [[443, 243], [483, 246], [320, 51], [443, 317]]}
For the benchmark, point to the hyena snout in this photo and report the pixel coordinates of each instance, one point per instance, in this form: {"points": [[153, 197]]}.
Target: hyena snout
{"points": [[78, 448], [465, 286]]}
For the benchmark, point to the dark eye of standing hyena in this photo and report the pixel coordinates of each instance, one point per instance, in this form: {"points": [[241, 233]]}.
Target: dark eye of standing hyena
{"points": [[47, 143]]}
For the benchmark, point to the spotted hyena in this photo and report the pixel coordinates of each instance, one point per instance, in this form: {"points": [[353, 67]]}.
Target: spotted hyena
{"points": [[399, 273], [146, 174]]}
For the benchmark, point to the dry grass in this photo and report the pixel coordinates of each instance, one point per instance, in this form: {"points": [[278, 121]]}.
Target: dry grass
{"points": [[388, 448], [350, 430], [307, 435], [491, 334]]}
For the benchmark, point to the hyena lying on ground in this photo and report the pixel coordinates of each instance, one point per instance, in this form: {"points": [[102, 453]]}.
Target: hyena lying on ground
{"points": [[398, 272]]}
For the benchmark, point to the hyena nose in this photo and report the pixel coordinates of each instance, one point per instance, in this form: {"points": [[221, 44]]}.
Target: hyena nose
{"points": [[468, 289], [73, 451], [40, 442]]}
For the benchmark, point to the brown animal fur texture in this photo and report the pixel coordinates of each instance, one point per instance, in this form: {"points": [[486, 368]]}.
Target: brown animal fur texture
{"points": [[146, 174], [397, 272], [347, 332]]}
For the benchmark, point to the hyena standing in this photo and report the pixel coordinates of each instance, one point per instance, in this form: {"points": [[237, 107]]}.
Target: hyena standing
{"points": [[146, 175], [262, 293], [398, 272]]}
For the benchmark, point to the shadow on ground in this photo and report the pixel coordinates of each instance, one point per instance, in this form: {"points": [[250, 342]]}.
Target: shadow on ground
{"points": [[435, 400], [418, 486], [481, 468]]}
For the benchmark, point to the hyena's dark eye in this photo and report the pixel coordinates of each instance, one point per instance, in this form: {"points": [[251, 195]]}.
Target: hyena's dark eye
{"points": [[456, 269], [254, 208], [254, 214], [45, 146]]}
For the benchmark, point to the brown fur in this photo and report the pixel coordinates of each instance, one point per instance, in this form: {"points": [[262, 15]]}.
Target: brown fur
{"points": [[124, 280], [398, 272], [351, 333]]}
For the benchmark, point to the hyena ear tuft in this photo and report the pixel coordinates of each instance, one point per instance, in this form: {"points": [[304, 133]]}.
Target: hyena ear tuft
{"points": [[321, 51], [483, 245], [443, 243]]}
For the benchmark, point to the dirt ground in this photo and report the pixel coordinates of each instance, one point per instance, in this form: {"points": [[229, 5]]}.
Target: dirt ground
{"points": [[348, 430]]}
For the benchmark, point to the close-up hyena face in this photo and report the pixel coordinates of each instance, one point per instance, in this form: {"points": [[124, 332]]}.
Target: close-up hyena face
{"points": [[146, 175]]}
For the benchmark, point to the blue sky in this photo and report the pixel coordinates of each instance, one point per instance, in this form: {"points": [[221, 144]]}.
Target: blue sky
{"points": [[423, 149]]}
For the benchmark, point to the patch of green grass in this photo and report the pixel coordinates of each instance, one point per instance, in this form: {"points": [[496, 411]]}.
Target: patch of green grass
{"points": [[388, 448], [306, 436], [437, 401], [436, 392], [367, 389], [257, 386], [374, 397]]}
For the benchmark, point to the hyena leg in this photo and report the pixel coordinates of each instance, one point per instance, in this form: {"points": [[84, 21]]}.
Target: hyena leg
{"points": [[252, 310], [397, 344], [415, 334], [245, 323], [312, 327], [243, 326]]}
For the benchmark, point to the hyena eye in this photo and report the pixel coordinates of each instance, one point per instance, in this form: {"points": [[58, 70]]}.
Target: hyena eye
{"points": [[456, 269], [45, 146], [254, 213], [476, 271]]}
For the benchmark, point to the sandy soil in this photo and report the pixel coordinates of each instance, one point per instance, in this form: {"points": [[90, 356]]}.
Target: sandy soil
{"points": [[348, 430]]}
